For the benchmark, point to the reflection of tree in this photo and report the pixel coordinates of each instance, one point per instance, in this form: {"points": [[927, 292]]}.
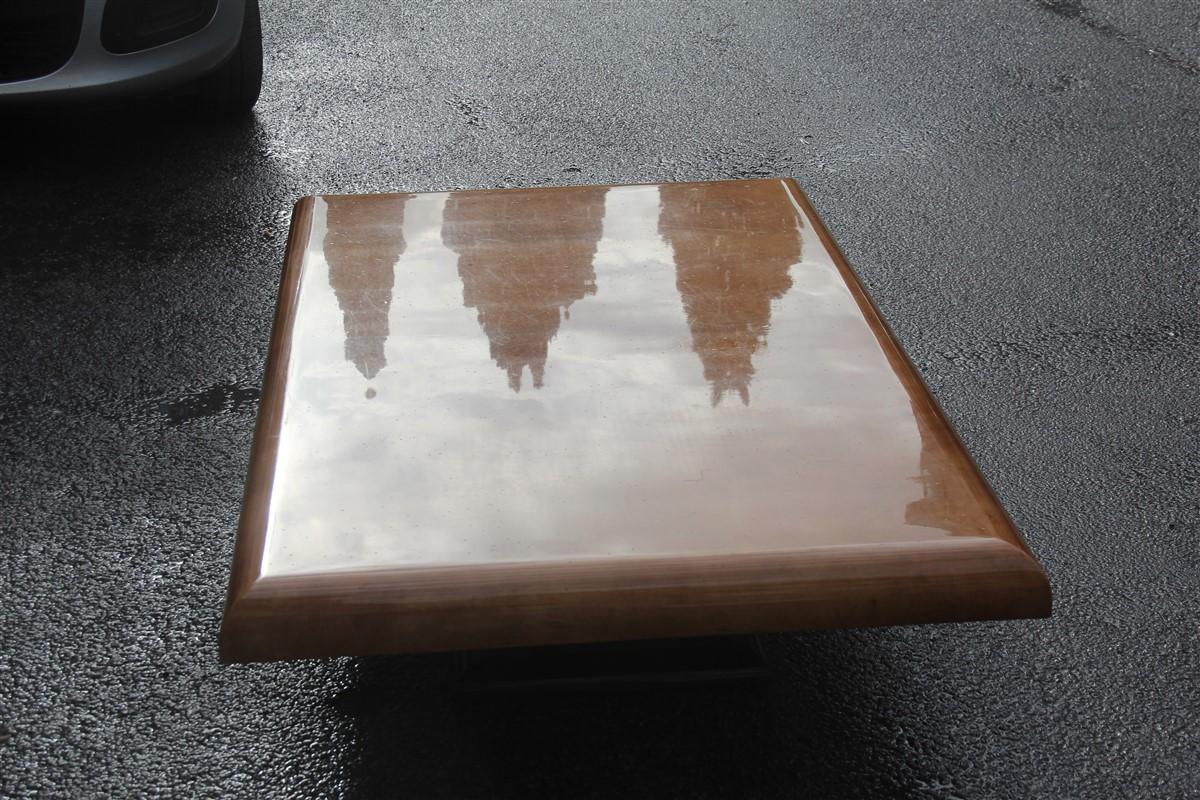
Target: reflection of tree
{"points": [[364, 238], [734, 244], [932, 510], [945, 469], [524, 258], [942, 479]]}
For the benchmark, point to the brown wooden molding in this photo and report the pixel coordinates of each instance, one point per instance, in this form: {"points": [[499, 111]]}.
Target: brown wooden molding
{"points": [[496, 418]]}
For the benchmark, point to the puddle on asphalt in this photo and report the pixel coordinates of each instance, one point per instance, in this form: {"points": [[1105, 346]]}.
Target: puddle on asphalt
{"points": [[216, 400]]}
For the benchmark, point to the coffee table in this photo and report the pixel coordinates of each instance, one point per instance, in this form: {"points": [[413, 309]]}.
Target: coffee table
{"points": [[529, 417]]}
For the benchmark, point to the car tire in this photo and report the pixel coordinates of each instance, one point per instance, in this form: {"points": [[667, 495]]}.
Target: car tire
{"points": [[234, 86]]}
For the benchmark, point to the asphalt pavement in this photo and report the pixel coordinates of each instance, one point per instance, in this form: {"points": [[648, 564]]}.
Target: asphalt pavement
{"points": [[1016, 182]]}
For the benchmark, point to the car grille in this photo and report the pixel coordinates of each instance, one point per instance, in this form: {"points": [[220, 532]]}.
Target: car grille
{"points": [[37, 36]]}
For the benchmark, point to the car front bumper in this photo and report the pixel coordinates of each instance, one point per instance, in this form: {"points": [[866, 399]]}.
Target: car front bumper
{"points": [[92, 71]]}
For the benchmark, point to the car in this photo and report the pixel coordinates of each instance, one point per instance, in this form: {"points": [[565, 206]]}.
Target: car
{"points": [[209, 51]]}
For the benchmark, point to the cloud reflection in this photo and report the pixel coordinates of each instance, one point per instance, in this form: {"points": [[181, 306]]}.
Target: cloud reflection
{"points": [[620, 453]]}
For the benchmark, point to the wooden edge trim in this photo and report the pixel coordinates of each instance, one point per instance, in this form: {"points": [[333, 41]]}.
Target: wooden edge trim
{"points": [[542, 189], [256, 501], [502, 605]]}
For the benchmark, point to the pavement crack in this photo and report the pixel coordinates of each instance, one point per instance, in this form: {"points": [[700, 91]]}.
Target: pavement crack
{"points": [[1076, 10]]}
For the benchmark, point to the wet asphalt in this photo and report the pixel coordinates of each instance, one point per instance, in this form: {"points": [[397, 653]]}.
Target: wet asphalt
{"points": [[1017, 184]]}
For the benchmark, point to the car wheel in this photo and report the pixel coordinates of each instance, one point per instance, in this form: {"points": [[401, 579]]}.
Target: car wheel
{"points": [[233, 87]]}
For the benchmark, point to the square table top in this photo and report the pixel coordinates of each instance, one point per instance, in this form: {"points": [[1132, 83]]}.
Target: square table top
{"points": [[534, 416]]}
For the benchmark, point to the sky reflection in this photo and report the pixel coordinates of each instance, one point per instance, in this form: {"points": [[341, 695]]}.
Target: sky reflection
{"points": [[621, 320]]}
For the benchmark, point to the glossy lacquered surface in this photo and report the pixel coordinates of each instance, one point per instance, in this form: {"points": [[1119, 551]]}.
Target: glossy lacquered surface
{"points": [[532, 416]]}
